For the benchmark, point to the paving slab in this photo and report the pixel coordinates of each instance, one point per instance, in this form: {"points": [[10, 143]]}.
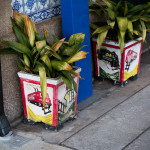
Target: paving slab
{"points": [[18, 142], [141, 143], [118, 127]]}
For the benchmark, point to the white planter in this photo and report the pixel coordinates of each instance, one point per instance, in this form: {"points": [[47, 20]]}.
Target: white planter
{"points": [[112, 64], [61, 102]]}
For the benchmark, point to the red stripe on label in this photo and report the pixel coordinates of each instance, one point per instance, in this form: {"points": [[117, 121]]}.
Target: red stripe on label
{"points": [[95, 58], [55, 106], [111, 46], [139, 59]]}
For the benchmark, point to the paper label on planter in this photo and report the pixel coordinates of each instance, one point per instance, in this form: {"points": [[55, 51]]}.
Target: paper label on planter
{"points": [[34, 105], [132, 56], [66, 102], [109, 63]]}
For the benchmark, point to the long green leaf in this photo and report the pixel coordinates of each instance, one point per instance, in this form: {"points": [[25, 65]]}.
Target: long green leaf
{"points": [[97, 11], [93, 26], [70, 51], [121, 42], [7, 51], [66, 80], [101, 29], [43, 84], [40, 45], [76, 74], [52, 52], [126, 9], [30, 30], [77, 38], [26, 60], [101, 37], [111, 23], [47, 61], [138, 8], [68, 75], [111, 13], [144, 30], [21, 37], [109, 3], [123, 25], [60, 65], [130, 26], [18, 47], [38, 37]]}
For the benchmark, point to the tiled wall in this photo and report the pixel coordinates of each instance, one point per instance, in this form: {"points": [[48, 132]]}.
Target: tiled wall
{"points": [[37, 10]]}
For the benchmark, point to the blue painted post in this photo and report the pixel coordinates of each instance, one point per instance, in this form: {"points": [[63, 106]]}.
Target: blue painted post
{"points": [[75, 19]]}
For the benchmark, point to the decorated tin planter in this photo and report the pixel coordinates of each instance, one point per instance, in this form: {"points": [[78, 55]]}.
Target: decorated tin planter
{"points": [[112, 64], [61, 102]]}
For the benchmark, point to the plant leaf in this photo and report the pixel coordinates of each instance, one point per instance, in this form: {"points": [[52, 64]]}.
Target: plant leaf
{"points": [[29, 28], [7, 51], [109, 3], [76, 57], [21, 37], [122, 24], [66, 80], [101, 37], [52, 52], [40, 45], [130, 26], [45, 33], [57, 45], [47, 61], [144, 30], [19, 18], [69, 77], [126, 9], [77, 38], [121, 42], [111, 23], [70, 51], [60, 65], [97, 11], [111, 13], [18, 47], [38, 37], [101, 29], [26, 60], [76, 74], [43, 84], [93, 26]]}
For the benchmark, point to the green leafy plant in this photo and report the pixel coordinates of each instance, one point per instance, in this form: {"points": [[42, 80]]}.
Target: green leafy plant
{"points": [[124, 21], [38, 56]]}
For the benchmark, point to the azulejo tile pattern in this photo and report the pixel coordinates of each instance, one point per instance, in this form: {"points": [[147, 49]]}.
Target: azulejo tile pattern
{"points": [[37, 10]]}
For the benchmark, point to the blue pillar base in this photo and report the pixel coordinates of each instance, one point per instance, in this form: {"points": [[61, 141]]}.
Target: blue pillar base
{"points": [[75, 19]]}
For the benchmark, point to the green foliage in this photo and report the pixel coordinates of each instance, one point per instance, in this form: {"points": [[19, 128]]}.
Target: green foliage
{"points": [[124, 21], [38, 56]]}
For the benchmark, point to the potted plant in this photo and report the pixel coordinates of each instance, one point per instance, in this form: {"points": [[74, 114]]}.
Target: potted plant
{"points": [[118, 41], [49, 82]]}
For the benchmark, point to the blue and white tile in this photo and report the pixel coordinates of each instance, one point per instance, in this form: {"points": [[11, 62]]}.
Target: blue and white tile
{"points": [[38, 10], [30, 6], [17, 5], [43, 4], [54, 3]]}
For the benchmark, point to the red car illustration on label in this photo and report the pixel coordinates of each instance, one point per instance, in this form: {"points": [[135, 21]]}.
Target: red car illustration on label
{"points": [[131, 55], [36, 99]]}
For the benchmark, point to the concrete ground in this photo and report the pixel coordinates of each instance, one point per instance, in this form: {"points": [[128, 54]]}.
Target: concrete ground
{"points": [[114, 118]]}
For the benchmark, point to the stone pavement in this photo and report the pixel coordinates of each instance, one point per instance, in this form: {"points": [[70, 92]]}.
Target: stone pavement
{"points": [[119, 119]]}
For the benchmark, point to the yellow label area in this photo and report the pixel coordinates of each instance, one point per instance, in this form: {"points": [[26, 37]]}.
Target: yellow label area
{"points": [[37, 118], [130, 74]]}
